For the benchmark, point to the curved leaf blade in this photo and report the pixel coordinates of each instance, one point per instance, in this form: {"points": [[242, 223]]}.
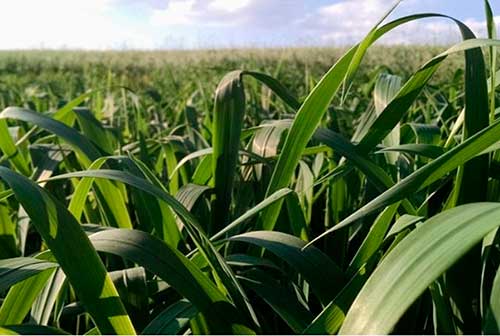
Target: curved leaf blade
{"points": [[418, 260]]}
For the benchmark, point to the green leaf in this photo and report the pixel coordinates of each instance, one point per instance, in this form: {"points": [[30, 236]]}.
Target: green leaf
{"points": [[178, 271], [425, 150], [325, 284], [229, 111], [418, 260], [21, 296], [386, 87], [492, 318], [276, 87], [303, 127], [74, 253], [43, 305], [172, 320], [8, 246], [253, 212], [316, 104], [10, 150], [331, 318], [15, 270], [94, 130], [26, 329], [426, 175], [112, 198], [492, 34], [79, 142], [193, 227], [283, 300], [375, 173], [374, 239], [471, 185], [404, 222], [394, 111], [64, 113]]}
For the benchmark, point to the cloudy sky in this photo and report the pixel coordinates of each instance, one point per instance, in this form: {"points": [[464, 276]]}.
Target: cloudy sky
{"points": [[157, 24]]}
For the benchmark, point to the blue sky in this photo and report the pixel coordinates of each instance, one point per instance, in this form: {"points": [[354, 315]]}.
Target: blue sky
{"points": [[159, 24]]}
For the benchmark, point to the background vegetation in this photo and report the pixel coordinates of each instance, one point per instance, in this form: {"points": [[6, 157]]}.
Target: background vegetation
{"points": [[166, 80]]}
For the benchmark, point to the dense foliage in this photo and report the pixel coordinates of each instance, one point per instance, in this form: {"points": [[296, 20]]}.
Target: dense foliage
{"points": [[166, 192]]}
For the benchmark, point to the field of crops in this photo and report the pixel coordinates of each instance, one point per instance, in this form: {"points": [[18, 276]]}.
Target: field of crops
{"points": [[308, 191]]}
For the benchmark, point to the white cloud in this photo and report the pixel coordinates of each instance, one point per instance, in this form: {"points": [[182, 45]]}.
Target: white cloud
{"points": [[100, 24], [479, 27], [229, 5], [197, 13], [268, 15], [85, 24], [176, 13], [348, 21]]}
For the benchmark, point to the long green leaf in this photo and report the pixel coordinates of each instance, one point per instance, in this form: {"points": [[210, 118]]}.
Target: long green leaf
{"points": [[172, 320], [178, 271], [415, 263], [113, 199], [21, 296], [426, 175], [316, 103], [195, 230], [74, 253], [307, 262], [283, 300], [26, 329], [17, 269], [229, 111], [10, 150], [331, 318]]}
